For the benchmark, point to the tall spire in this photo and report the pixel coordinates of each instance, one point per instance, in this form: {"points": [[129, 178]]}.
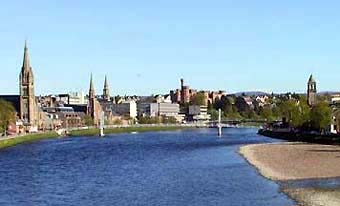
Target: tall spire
{"points": [[91, 91], [311, 79], [106, 91], [26, 63], [105, 83]]}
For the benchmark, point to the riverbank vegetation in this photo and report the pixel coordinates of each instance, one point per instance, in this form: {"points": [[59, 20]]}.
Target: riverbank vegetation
{"points": [[95, 131], [291, 107], [7, 115], [157, 120], [9, 142]]}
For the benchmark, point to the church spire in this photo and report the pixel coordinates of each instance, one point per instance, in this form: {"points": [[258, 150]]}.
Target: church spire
{"points": [[311, 79], [106, 91], [26, 63], [105, 83], [91, 91], [28, 107]]}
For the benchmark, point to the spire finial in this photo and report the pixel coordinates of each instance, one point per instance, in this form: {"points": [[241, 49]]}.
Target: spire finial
{"points": [[105, 82], [311, 79], [106, 92], [91, 91], [26, 63]]}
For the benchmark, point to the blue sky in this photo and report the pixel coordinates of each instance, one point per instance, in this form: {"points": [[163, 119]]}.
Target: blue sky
{"points": [[146, 46]]}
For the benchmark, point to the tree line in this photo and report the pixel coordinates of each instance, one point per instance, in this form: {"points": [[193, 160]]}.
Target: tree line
{"points": [[7, 115], [291, 107]]}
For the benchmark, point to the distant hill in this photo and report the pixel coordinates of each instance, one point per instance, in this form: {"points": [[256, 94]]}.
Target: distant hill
{"points": [[252, 93], [260, 93], [328, 92]]}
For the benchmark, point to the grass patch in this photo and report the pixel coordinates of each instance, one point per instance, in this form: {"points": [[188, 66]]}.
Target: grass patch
{"points": [[95, 132], [25, 139], [4, 143]]}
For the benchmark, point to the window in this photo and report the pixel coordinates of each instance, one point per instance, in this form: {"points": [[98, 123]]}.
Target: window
{"points": [[25, 92]]}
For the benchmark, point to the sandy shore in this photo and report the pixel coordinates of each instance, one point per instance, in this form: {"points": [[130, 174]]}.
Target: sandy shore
{"points": [[298, 161]]}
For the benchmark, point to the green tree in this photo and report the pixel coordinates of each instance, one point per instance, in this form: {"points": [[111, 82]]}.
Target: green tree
{"points": [[199, 99], [213, 113], [149, 120], [88, 120], [296, 113], [266, 113], [169, 120], [276, 112], [321, 116], [7, 115]]}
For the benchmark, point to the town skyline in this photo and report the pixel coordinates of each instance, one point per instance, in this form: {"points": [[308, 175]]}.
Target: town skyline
{"points": [[193, 102], [198, 41]]}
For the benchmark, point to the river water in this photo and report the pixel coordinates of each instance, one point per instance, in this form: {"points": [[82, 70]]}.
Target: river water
{"points": [[190, 167]]}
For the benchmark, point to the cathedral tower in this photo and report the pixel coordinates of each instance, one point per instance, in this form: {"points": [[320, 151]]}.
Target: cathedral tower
{"points": [[311, 91], [28, 105]]}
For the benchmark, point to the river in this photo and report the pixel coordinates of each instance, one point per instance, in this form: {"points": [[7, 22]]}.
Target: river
{"points": [[189, 167]]}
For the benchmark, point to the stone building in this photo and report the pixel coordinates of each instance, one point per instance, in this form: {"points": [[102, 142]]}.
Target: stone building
{"points": [[28, 106], [29, 116], [182, 95], [185, 95], [94, 108], [311, 91]]}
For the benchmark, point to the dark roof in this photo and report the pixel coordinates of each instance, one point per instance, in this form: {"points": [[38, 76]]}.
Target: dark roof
{"points": [[78, 107], [14, 99]]}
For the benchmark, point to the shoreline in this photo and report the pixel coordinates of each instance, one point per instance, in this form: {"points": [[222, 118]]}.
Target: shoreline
{"points": [[298, 161], [34, 137], [329, 139], [119, 130], [27, 138]]}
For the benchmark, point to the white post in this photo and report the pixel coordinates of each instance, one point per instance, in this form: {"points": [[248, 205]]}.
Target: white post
{"points": [[102, 123], [219, 125]]}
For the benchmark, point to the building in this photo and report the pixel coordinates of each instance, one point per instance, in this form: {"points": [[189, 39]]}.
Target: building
{"points": [[25, 104], [71, 119], [76, 98], [184, 95], [215, 96], [63, 117], [311, 91], [162, 109], [198, 113], [28, 106], [162, 99], [158, 109], [94, 108], [127, 108], [335, 99]]}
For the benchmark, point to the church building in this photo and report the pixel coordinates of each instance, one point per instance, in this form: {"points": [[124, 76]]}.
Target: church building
{"points": [[311, 91], [25, 104]]}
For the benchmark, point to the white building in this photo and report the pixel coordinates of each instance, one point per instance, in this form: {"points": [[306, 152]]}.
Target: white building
{"points": [[198, 113], [160, 109], [335, 98], [77, 98], [163, 99], [126, 108]]}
